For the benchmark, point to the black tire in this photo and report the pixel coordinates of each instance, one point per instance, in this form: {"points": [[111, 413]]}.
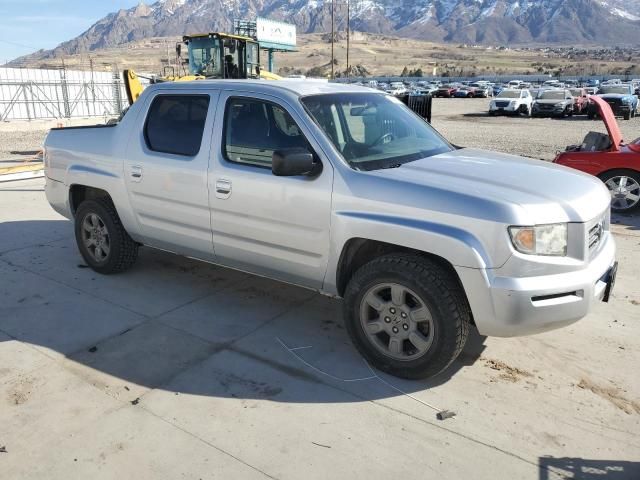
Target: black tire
{"points": [[440, 292], [591, 116], [627, 115], [492, 113], [123, 251], [635, 175]]}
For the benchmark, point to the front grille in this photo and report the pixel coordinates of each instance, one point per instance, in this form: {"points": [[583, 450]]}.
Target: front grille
{"points": [[614, 102], [546, 106], [502, 104], [596, 232]]}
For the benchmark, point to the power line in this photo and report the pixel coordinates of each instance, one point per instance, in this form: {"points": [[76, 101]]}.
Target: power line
{"points": [[19, 44]]}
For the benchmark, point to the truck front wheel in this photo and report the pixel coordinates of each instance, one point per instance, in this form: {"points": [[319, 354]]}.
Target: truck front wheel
{"points": [[407, 315], [102, 240]]}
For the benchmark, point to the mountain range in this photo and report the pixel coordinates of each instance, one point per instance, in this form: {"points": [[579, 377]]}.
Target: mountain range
{"points": [[504, 22]]}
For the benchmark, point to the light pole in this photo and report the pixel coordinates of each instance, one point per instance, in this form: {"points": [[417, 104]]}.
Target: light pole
{"points": [[333, 36], [348, 35]]}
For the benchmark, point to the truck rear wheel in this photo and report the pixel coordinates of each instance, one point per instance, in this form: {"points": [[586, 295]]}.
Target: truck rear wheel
{"points": [[407, 315], [102, 240]]}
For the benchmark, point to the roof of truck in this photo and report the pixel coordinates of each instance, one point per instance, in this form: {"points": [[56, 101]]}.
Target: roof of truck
{"points": [[300, 87]]}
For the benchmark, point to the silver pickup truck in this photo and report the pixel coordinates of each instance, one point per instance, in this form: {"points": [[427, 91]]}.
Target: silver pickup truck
{"points": [[343, 190]]}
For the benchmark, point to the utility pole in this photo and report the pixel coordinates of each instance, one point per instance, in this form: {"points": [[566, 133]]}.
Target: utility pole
{"points": [[348, 35], [333, 4]]}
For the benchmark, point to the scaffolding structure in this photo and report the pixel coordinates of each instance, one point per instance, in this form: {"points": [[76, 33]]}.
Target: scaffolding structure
{"points": [[31, 94]]}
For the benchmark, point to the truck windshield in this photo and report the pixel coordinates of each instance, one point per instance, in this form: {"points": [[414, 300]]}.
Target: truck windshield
{"points": [[373, 130], [551, 95]]}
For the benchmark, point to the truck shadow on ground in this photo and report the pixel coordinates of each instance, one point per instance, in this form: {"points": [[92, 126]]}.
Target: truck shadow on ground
{"points": [[582, 469], [627, 221], [184, 326]]}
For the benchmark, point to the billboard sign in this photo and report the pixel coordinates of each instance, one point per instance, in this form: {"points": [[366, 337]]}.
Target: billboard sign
{"points": [[278, 34]]}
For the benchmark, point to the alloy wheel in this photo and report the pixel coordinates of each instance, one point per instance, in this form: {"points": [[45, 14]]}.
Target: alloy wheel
{"points": [[397, 321], [625, 192], [95, 237]]}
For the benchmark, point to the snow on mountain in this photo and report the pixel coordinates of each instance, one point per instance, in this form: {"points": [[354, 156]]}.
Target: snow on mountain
{"points": [[468, 21]]}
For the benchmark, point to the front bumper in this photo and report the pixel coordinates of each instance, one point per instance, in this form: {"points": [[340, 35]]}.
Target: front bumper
{"points": [[557, 110], [505, 306], [507, 109]]}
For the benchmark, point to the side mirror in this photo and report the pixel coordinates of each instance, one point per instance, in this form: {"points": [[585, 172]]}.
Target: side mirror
{"points": [[293, 162]]}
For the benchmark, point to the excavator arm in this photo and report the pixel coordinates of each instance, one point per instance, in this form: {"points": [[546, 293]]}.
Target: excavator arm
{"points": [[132, 85]]}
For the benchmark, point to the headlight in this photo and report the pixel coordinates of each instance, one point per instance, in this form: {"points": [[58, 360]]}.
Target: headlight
{"points": [[540, 239], [626, 100]]}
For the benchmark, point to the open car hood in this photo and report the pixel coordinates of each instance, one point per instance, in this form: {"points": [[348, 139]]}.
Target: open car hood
{"points": [[609, 120]]}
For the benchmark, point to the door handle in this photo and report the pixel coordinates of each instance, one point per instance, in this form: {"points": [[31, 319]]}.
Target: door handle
{"points": [[136, 173], [223, 188]]}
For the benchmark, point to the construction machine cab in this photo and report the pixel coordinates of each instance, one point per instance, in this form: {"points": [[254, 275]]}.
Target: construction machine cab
{"points": [[221, 55]]}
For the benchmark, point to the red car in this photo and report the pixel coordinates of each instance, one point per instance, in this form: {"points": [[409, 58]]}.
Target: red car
{"points": [[580, 100], [609, 158], [445, 91]]}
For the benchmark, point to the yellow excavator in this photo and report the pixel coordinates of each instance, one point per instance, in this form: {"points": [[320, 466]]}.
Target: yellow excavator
{"points": [[210, 55]]}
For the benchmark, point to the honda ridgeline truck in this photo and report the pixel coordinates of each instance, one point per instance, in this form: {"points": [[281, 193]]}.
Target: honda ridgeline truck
{"points": [[343, 190]]}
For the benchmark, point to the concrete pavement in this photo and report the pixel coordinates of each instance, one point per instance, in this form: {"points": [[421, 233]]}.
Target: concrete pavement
{"points": [[180, 369]]}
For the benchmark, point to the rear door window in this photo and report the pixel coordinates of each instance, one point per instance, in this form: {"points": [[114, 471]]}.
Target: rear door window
{"points": [[175, 124]]}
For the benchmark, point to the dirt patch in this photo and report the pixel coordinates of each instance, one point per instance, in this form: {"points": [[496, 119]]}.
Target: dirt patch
{"points": [[254, 388], [507, 372], [612, 394], [21, 391]]}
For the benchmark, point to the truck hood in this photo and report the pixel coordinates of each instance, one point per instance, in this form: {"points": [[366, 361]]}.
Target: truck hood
{"points": [[551, 101], [509, 188]]}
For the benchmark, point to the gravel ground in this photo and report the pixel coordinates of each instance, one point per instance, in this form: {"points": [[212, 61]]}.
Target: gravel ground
{"points": [[463, 121], [19, 140]]}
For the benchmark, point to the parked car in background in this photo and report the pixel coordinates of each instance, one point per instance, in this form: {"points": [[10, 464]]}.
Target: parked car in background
{"points": [[445, 91], [397, 90], [555, 102], [609, 158], [418, 237], [481, 90], [580, 100], [593, 83], [551, 84], [464, 92], [511, 101], [620, 97]]}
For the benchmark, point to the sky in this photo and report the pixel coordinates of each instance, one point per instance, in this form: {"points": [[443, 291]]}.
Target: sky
{"points": [[29, 25]]}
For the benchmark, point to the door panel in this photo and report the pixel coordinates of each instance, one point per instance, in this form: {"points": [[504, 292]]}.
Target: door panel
{"points": [[169, 191], [274, 226]]}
